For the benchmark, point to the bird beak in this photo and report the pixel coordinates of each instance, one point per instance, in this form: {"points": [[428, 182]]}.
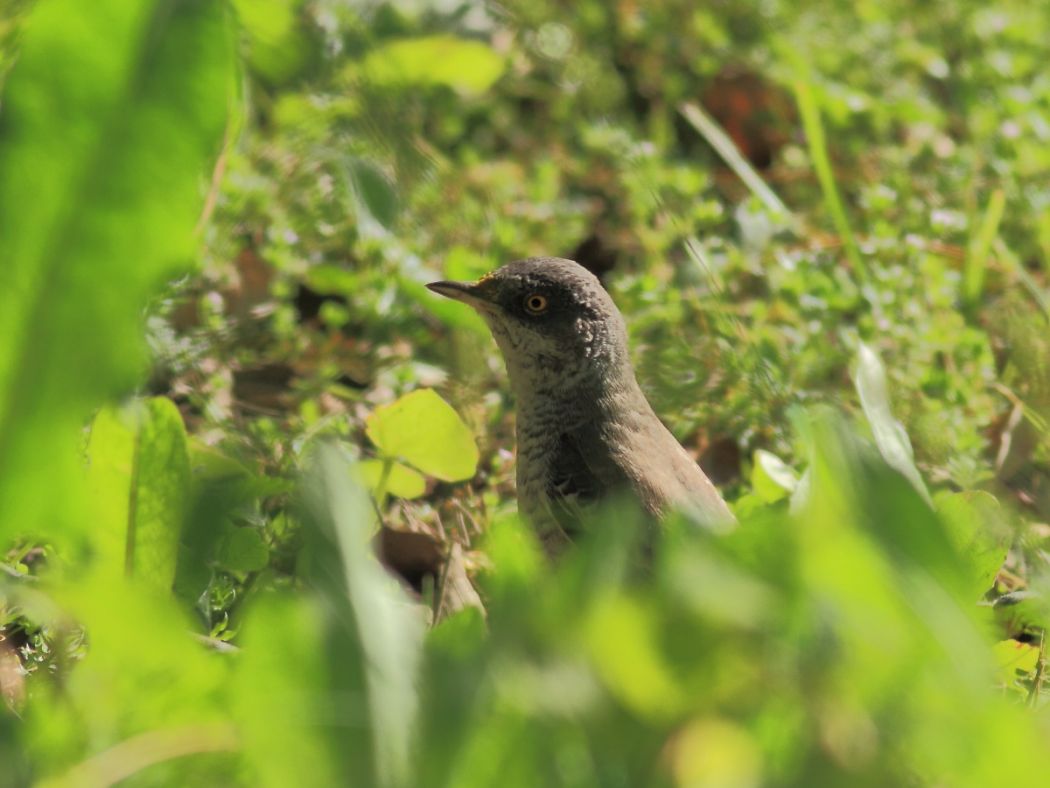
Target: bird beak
{"points": [[459, 291]]}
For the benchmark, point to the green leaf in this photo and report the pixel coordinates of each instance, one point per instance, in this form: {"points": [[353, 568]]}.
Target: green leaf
{"points": [[277, 46], [208, 462], [139, 475], [424, 431], [330, 279], [112, 117], [974, 523], [212, 468], [401, 480], [890, 435], [469, 67], [243, 549], [771, 477], [224, 491], [1012, 658]]}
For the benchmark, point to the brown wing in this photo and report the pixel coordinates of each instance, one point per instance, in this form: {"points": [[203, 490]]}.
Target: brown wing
{"points": [[640, 453]]}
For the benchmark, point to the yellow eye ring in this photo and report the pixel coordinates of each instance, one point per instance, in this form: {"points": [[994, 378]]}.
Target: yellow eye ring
{"points": [[535, 304]]}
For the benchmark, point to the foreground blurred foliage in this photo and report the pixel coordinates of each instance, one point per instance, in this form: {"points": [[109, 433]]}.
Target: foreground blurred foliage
{"points": [[283, 557]]}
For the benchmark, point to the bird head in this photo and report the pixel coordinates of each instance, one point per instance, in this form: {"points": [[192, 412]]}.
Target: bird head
{"points": [[555, 324]]}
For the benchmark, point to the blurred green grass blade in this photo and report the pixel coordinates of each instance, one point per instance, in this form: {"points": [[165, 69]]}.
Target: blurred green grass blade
{"points": [[876, 552], [716, 137], [110, 121], [139, 472], [375, 195], [974, 523], [374, 646], [138, 753], [622, 643], [980, 247], [809, 110], [455, 683], [138, 640], [282, 692], [890, 436]]}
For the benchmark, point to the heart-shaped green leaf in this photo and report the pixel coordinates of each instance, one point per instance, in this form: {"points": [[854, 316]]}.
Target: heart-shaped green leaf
{"points": [[401, 480], [424, 431]]}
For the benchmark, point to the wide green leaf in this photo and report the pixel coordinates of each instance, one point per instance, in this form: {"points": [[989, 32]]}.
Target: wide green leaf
{"points": [[110, 121], [400, 480], [139, 473], [424, 431]]}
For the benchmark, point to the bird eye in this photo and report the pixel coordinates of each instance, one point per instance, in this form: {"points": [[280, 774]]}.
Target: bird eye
{"points": [[536, 304]]}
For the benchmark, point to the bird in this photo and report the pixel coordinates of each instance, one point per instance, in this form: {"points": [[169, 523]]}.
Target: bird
{"points": [[585, 430]]}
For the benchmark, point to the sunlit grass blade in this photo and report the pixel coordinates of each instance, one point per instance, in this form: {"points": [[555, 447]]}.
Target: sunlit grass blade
{"points": [[813, 126], [716, 137], [374, 646], [890, 436], [980, 246]]}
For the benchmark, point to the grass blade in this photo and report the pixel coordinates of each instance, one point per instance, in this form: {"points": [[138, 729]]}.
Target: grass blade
{"points": [[980, 246], [818, 152], [890, 436], [716, 137]]}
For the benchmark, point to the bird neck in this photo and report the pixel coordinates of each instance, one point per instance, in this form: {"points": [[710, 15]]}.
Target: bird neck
{"points": [[566, 397]]}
